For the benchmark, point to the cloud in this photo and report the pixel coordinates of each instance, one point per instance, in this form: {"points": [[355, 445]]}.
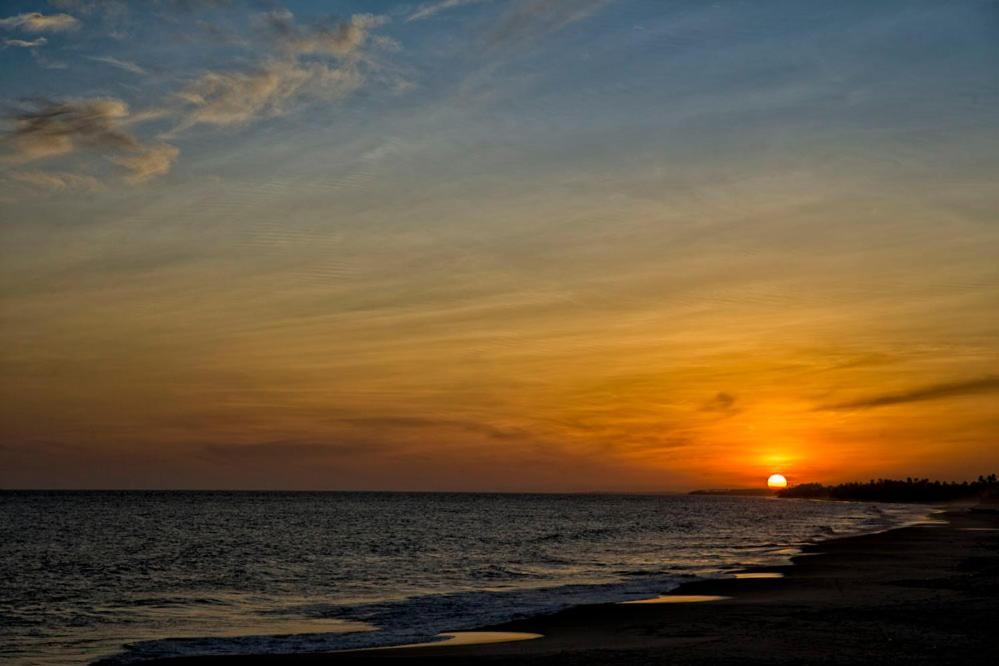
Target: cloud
{"points": [[989, 384], [338, 39], [233, 98], [56, 128], [284, 450], [120, 64], [530, 19], [194, 5], [722, 403], [114, 16], [273, 87], [430, 9], [420, 423], [52, 129], [320, 61], [154, 160], [24, 44], [35, 22], [58, 181]]}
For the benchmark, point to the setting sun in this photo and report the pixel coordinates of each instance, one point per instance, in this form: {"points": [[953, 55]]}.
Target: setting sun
{"points": [[776, 482]]}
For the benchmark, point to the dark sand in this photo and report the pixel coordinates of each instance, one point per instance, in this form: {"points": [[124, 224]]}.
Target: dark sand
{"points": [[926, 594]]}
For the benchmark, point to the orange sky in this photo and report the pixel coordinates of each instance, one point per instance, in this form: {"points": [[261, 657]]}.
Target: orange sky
{"points": [[596, 248]]}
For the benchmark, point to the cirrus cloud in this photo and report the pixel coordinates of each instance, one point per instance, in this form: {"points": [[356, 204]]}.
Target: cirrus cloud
{"points": [[234, 98], [119, 64], [150, 162], [432, 9], [982, 385], [25, 44], [55, 128], [36, 22], [339, 39], [527, 20], [57, 180], [284, 79], [294, 63], [47, 129]]}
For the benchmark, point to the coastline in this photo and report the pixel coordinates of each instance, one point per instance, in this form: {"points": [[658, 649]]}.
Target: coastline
{"points": [[924, 593]]}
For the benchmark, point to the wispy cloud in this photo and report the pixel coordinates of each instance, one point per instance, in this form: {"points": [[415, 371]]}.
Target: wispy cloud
{"points": [[294, 63], [25, 44], [120, 64], [195, 5], [339, 39], [979, 386], [83, 6], [232, 98], [530, 19], [281, 80], [56, 128], [36, 22], [421, 423], [150, 162], [432, 8], [57, 180], [53, 128], [113, 17], [282, 449], [722, 403]]}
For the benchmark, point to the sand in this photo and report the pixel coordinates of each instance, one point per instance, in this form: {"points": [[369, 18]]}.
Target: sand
{"points": [[925, 594]]}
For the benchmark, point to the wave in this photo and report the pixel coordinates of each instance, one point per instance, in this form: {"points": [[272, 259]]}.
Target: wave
{"points": [[416, 619]]}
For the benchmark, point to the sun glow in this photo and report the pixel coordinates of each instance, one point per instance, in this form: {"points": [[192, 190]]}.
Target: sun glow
{"points": [[776, 482]]}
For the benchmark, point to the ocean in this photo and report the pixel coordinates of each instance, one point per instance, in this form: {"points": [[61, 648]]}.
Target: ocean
{"points": [[134, 575]]}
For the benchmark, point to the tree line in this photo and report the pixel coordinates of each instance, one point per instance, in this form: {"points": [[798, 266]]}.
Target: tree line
{"points": [[897, 490]]}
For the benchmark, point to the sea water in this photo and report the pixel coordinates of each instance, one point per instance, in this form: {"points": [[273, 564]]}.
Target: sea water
{"points": [[136, 575]]}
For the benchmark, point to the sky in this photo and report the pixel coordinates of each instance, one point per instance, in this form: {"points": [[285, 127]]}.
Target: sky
{"points": [[497, 245]]}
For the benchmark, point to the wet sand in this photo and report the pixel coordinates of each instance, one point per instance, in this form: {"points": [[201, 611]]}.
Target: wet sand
{"points": [[925, 594]]}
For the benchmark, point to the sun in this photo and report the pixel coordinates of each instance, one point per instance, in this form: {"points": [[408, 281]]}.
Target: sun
{"points": [[776, 482]]}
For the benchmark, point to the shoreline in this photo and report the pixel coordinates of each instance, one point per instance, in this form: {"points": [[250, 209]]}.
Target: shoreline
{"points": [[923, 593]]}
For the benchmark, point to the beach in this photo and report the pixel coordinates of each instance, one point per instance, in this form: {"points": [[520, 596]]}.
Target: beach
{"points": [[925, 593]]}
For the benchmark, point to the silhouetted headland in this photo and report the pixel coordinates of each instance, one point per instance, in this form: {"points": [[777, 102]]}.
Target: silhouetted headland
{"points": [[983, 489]]}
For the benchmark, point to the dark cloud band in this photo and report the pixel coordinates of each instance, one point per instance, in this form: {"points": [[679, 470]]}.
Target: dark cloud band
{"points": [[988, 384]]}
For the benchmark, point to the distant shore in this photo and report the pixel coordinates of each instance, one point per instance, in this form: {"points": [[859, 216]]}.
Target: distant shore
{"points": [[923, 594]]}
